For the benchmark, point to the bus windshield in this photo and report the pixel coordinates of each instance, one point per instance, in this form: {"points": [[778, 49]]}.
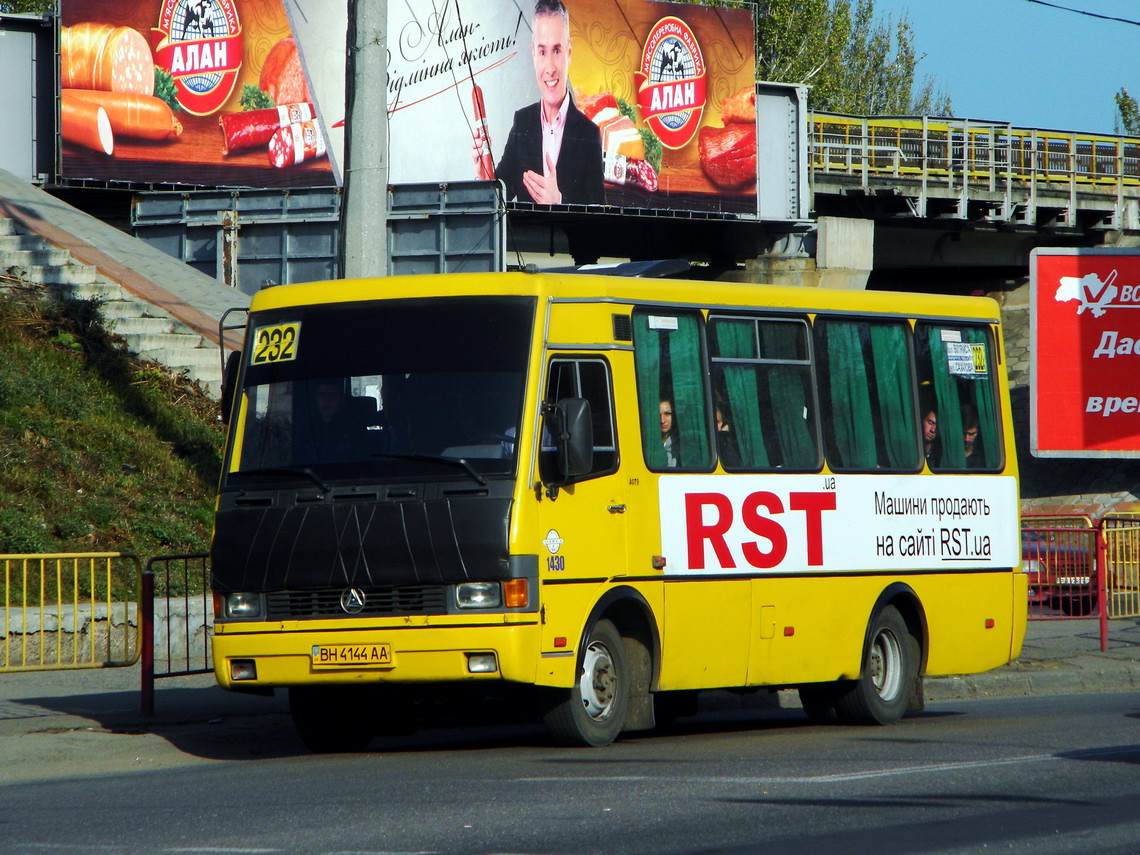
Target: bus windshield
{"points": [[403, 388]]}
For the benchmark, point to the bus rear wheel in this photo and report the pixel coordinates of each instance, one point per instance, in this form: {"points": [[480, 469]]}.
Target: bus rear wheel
{"points": [[890, 665], [593, 711]]}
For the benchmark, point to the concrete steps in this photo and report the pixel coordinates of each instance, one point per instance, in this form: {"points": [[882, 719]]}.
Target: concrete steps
{"points": [[148, 332]]}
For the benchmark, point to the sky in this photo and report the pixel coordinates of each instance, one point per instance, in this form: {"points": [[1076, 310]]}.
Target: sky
{"points": [[1028, 64]]}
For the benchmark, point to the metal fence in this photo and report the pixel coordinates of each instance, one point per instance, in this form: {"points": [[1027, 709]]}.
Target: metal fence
{"points": [[177, 607], [1079, 567], [1059, 556], [69, 610], [1121, 534]]}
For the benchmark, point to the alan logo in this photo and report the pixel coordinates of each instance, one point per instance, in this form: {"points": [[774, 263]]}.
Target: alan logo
{"points": [[671, 83], [200, 43]]}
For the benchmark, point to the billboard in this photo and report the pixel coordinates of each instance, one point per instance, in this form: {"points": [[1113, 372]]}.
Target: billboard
{"points": [[661, 111], [200, 92], [1085, 346]]}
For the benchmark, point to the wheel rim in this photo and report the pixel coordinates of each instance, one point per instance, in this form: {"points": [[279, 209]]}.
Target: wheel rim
{"points": [[886, 665], [598, 684]]}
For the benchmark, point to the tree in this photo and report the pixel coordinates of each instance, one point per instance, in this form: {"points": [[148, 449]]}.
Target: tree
{"points": [[853, 60], [34, 6], [1129, 113]]}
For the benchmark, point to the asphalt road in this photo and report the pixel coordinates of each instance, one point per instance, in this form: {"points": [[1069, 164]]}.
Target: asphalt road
{"points": [[1042, 774]]}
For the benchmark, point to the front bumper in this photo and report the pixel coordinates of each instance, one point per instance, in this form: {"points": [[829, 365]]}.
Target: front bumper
{"points": [[284, 657]]}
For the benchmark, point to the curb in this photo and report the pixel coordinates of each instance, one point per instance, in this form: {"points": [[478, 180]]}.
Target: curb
{"points": [[1086, 674]]}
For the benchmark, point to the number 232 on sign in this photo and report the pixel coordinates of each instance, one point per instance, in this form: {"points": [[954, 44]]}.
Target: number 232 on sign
{"points": [[275, 344]]}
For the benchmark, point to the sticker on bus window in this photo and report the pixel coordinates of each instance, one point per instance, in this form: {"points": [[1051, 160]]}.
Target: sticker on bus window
{"points": [[275, 344], [658, 322], [950, 335], [966, 360]]}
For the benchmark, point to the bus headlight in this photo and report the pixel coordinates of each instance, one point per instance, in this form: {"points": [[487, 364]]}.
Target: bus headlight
{"points": [[242, 605], [478, 595]]}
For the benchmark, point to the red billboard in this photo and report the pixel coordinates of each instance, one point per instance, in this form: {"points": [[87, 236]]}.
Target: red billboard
{"points": [[587, 102], [1085, 347], [200, 92]]}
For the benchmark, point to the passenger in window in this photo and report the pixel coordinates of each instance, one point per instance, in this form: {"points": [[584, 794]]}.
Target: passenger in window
{"points": [[332, 409], [974, 457], [669, 438], [726, 444], [332, 428], [930, 433]]}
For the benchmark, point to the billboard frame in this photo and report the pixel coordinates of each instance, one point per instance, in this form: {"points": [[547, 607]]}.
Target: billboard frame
{"points": [[1035, 394]]}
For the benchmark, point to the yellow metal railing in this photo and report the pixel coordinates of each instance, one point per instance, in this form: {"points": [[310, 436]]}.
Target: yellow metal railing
{"points": [[979, 153], [69, 610], [1122, 565], [1057, 521]]}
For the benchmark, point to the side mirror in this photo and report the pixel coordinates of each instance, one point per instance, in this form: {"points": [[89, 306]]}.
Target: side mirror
{"points": [[229, 384], [571, 428]]}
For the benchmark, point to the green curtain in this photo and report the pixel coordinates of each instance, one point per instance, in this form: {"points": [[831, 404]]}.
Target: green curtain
{"points": [[892, 378], [850, 397], [984, 404], [788, 393], [647, 359], [689, 393], [737, 340], [949, 405]]}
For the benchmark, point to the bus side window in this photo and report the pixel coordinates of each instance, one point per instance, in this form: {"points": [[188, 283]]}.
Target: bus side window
{"points": [[671, 391], [763, 393], [867, 395], [956, 368], [589, 379]]}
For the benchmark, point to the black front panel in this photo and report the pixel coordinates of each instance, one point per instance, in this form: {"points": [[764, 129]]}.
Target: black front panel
{"points": [[287, 543]]}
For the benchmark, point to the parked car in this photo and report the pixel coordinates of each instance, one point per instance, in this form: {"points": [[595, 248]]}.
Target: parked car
{"points": [[1061, 565]]}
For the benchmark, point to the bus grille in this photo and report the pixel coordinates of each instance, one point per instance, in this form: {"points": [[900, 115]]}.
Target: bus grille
{"points": [[325, 602]]}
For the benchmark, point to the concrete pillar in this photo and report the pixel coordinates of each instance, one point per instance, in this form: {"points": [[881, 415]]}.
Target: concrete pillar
{"points": [[364, 221], [843, 250]]}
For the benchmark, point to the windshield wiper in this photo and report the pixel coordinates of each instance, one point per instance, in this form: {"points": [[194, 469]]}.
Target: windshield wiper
{"points": [[434, 458], [286, 470]]}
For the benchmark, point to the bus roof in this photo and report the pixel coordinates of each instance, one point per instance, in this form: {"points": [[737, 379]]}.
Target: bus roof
{"points": [[613, 289]]}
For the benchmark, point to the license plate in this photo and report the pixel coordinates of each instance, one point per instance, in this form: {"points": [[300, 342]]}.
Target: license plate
{"points": [[352, 655]]}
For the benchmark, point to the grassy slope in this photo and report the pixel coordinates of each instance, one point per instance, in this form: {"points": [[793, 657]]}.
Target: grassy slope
{"points": [[98, 451]]}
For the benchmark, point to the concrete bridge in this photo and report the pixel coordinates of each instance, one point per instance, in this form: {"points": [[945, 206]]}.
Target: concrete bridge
{"points": [[953, 194]]}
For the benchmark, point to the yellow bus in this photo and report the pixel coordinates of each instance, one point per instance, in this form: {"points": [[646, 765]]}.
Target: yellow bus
{"points": [[611, 494]]}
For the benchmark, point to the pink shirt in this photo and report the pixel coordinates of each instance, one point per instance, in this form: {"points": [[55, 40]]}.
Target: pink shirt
{"points": [[552, 134]]}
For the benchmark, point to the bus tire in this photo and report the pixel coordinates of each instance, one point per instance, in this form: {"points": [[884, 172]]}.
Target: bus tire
{"points": [[890, 665], [331, 719], [592, 712]]}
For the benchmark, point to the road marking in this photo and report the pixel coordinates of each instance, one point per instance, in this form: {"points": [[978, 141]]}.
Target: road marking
{"points": [[870, 773]]}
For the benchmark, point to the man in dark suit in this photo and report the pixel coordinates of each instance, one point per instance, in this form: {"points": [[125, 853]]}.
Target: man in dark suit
{"points": [[553, 153]]}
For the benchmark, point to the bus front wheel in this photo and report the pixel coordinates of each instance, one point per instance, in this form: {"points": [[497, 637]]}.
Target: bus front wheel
{"points": [[593, 711], [890, 665]]}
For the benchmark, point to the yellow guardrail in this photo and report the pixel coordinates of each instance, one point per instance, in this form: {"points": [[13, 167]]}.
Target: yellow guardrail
{"points": [[1057, 521], [977, 152], [1122, 565], [69, 610]]}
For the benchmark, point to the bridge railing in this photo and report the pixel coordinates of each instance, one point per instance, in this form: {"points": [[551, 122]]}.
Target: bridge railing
{"points": [[960, 154]]}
